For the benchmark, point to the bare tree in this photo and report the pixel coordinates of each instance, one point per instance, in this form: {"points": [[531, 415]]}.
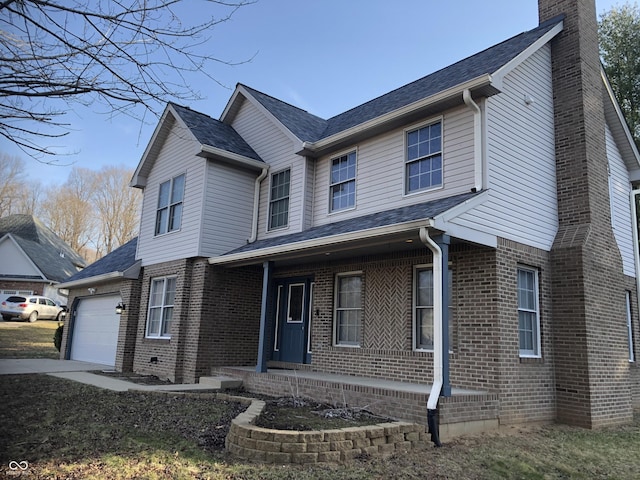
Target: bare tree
{"points": [[68, 211], [19, 193], [118, 55], [12, 176], [117, 208]]}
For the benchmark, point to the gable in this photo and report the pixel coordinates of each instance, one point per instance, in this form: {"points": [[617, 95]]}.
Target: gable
{"points": [[15, 263]]}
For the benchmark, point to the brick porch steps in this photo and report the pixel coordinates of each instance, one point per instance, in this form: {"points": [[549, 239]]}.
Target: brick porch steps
{"points": [[465, 411]]}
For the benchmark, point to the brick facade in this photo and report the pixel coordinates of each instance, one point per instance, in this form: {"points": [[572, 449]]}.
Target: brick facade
{"points": [[215, 321], [592, 376]]}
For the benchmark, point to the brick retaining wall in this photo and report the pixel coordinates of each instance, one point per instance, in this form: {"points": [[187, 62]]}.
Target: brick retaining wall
{"points": [[249, 441]]}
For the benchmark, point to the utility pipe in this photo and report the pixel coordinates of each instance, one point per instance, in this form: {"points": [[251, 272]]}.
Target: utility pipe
{"points": [[477, 140], [256, 204], [436, 387]]}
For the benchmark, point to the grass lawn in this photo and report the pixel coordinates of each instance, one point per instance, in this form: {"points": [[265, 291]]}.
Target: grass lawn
{"points": [[27, 340], [66, 430]]}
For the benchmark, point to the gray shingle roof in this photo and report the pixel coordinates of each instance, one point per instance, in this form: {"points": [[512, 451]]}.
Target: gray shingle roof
{"points": [[214, 133], [308, 127], [380, 219], [53, 257], [119, 260]]}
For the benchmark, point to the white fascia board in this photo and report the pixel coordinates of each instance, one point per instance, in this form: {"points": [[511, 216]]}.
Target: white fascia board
{"points": [[83, 282], [247, 95], [620, 117], [475, 83], [10, 238], [208, 151], [158, 136], [498, 75], [319, 242]]}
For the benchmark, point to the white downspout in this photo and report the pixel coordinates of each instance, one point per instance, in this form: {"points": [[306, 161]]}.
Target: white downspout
{"points": [[477, 140], [636, 248], [432, 403], [256, 204]]}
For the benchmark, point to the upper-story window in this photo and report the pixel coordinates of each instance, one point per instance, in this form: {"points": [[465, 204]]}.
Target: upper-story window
{"points": [[279, 199], [343, 182], [424, 158], [169, 213]]}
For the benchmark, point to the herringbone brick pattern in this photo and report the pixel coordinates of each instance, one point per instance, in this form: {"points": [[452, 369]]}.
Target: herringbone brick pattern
{"points": [[388, 308]]}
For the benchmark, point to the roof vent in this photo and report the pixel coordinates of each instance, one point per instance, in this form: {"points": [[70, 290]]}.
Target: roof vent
{"points": [[61, 254]]}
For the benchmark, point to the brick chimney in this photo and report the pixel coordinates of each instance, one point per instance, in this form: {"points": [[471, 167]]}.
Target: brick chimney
{"points": [[588, 284]]}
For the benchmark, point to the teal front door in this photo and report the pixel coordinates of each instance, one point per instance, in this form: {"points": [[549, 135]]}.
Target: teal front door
{"points": [[292, 326]]}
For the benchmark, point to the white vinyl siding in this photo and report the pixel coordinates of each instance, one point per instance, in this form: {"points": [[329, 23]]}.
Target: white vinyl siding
{"points": [[521, 159], [620, 191], [381, 169], [228, 215], [177, 156], [277, 150]]}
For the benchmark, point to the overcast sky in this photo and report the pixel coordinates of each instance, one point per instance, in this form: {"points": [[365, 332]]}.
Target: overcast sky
{"points": [[325, 56]]}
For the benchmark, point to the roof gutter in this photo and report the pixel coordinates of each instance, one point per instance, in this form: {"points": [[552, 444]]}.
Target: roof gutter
{"points": [[314, 147], [207, 151], [303, 245], [83, 282]]}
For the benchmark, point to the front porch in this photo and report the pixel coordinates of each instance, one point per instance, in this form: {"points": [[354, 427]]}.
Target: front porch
{"points": [[465, 411]]}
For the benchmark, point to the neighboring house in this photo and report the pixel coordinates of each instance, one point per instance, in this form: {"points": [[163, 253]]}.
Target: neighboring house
{"points": [[33, 259], [483, 210]]}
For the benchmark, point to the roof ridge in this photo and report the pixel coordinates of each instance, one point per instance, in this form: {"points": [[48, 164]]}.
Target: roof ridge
{"points": [[282, 101]]}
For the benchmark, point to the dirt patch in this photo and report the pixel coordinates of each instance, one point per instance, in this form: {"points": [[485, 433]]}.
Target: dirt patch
{"points": [[299, 414], [133, 377]]}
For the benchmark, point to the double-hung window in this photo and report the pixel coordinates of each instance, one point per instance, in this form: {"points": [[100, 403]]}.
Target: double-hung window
{"points": [[423, 308], [343, 182], [348, 309], [424, 158], [528, 312], [279, 199], [161, 299], [169, 211]]}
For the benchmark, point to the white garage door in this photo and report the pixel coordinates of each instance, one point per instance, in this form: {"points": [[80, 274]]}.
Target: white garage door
{"points": [[95, 332]]}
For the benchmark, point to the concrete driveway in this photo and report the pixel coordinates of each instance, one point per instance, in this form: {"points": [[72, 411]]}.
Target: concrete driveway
{"points": [[14, 366]]}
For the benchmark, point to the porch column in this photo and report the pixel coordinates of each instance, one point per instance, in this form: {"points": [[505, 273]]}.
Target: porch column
{"points": [[443, 242], [261, 367]]}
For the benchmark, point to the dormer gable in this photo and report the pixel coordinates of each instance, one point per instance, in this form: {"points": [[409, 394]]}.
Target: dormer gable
{"points": [[217, 140]]}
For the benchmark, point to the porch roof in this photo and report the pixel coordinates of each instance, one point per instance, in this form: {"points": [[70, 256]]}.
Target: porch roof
{"points": [[371, 233]]}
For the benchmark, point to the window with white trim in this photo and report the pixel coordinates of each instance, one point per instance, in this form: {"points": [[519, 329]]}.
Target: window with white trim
{"points": [[423, 308], [528, 312], [632, 357], [343, 182], [279, 199], [161, 299], [348, 309], [424, 158], [169, 211]]}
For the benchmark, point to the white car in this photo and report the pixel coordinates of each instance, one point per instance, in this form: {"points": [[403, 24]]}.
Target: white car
{"points": [[31, 308]]}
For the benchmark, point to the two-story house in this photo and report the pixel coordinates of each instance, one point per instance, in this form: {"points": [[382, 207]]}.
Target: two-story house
{"points": [[469, 236]]}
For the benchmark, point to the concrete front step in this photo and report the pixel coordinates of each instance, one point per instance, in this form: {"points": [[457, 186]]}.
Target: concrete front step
{"points": [[221, 382]]}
